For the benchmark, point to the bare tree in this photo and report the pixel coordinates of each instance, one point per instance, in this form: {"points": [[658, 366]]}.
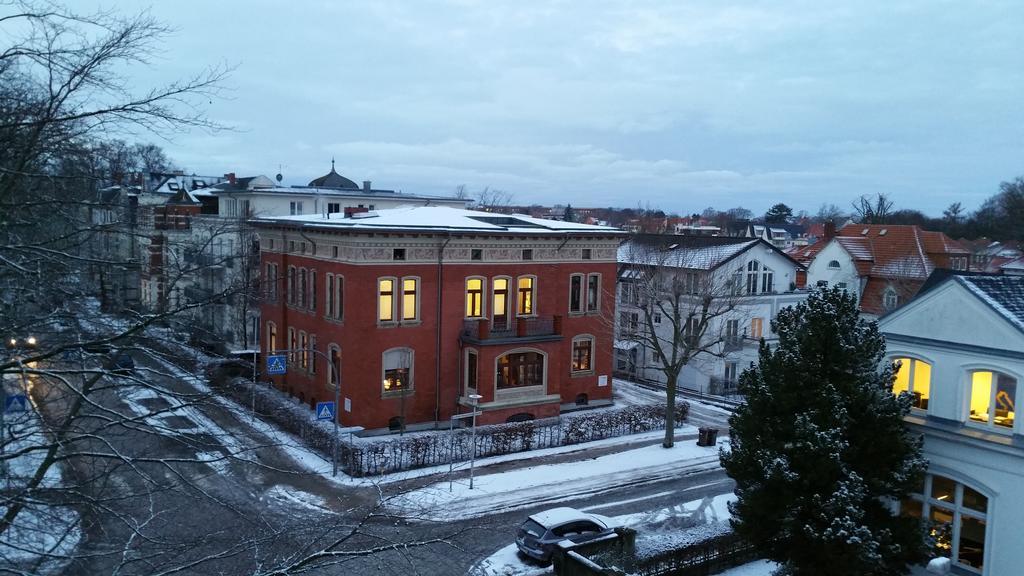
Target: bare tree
{"points": [[872, 211], [688, 306], [492, 199]]}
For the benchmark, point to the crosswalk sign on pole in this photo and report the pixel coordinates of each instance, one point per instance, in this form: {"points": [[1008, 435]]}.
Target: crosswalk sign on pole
{"points": [[325, 410], [16, 403], [277, 364]]}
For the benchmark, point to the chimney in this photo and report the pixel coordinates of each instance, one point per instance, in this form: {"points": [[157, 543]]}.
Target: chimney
{"points": [[366, 185], [830, 230], [230, 177]]}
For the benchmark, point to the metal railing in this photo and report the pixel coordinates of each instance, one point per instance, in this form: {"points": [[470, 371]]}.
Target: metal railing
{"points": [[529, 327]]}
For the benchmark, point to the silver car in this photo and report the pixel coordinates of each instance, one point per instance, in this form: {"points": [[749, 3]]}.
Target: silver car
{"points": [[541, 532]]}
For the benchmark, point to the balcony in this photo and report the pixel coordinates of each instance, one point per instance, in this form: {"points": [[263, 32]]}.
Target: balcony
{"points": [[732, 343], [535, 328], [719, 386]]}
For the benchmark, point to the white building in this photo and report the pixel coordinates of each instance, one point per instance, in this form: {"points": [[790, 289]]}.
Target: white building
{"points": [[756, 276], [961, 348]]}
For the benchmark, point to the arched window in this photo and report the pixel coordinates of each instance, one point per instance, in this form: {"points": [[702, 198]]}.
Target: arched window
{"points": [[833, 265], [993, 399], [583, 354], [913, 377], [334, 370], [397, 371], [958, 515], [760, 278], [474, 297], [520, 369], [890, 299]]}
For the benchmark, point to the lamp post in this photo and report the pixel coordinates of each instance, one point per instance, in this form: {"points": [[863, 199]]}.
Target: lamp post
{"points": [[474, 400], [13, 344]]}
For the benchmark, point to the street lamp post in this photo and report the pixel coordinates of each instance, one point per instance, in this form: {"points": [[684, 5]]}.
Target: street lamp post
{"points": [[474, 401]]}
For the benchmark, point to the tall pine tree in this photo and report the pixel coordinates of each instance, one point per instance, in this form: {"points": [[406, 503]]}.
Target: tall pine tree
{"points": [[820, 449]]}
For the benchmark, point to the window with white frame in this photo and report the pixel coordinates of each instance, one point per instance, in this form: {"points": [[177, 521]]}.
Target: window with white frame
{"points": [[583, 354], [329, 295], [271, 281], [334, 371], [957, 516], [501, 301], [890, 299], [295, 207], [593, 292], [472, 369], [914, 377], [386, 299], [993, 399], [397, 370], [576, 294], [520, 369], [271, 337], [410, 299], [525, 292], [474, 297], [303, 288]]}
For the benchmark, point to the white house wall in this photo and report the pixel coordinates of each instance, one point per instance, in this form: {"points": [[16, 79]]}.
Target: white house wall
{"points": [[957, 333], [818, 269]]}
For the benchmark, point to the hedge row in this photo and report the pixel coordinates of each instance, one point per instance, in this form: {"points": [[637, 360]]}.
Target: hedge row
{"points": [[418, 450]]}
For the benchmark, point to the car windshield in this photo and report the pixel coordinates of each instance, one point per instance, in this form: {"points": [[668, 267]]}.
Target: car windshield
{"points": [[533, 529]]}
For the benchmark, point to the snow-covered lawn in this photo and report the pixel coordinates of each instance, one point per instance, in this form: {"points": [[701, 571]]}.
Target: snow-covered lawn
{"points": [[657, 530], [537, 485]]}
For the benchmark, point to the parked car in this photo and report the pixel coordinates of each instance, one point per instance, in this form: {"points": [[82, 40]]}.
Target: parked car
{"points": [[541, 532], [123, 364], [219, 372]]}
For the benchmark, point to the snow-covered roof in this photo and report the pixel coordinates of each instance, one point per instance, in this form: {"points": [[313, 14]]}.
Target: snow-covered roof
{"points": [[693, 254], [439, 218], [1005, 294], [337, 192]]}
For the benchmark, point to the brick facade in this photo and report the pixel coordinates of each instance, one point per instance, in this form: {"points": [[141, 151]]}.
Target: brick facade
{"points": [[440, 336]]}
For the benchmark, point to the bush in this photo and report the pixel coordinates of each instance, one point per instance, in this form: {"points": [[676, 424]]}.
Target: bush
{"points": [[392, 454]]}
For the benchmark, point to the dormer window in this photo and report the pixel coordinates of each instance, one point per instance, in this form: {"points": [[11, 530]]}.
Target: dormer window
{"points": [[833, 265], [890, 299]]}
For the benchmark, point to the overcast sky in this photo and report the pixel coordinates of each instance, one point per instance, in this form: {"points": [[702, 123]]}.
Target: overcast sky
{"points": [[679, 105]]}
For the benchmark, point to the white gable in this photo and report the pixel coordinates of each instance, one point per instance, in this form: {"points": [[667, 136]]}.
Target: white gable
{"points": [[952, 314]]}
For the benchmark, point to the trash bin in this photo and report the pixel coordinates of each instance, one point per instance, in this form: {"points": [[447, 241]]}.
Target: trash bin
{"points": [[707, 436]]}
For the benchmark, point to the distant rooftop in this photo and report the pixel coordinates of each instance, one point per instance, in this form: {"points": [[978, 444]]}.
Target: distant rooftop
{"points": [[439, 218]]}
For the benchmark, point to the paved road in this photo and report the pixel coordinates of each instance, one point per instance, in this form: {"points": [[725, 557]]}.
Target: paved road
{"points": [[219, 498]]}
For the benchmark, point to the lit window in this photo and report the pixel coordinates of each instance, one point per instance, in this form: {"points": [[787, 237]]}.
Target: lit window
{"points": [[957, 516], [525, 296], [386, 300], [410, 301], [520, 369], [993, 399], [397, 370], [271, 337], [474, 297], [593, 292], [500, 305], [914, 377], [583, 354], [756, 327], [576, 293]]}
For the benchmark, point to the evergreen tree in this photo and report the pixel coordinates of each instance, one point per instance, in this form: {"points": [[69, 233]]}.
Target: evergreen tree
{"points": [[778, 214], [569, 215], [819, 450]]}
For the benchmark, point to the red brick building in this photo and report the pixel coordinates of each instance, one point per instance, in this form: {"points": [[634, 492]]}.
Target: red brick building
{"points": [[419, 307]]}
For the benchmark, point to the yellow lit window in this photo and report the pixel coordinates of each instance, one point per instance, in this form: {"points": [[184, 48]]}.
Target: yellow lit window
{"points": [[914, 377], [386, 300], [500, 301], [409, 299], [525, 296], [993, 399], [474, 297], [756, 327]]}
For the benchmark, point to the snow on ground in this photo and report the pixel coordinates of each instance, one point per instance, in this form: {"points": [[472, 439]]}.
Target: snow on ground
{"points": [[546, 483], [759, 568], [657, 530], [291, 495], [39, 529], [627, 393]]}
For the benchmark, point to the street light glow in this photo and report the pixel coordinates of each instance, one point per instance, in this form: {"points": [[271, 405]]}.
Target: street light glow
{"points": [[31, 340]]}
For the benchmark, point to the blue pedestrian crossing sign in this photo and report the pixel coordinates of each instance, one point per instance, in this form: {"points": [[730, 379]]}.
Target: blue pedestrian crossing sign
{"points": [[325, 410], [277, 364], [16, 403]]}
